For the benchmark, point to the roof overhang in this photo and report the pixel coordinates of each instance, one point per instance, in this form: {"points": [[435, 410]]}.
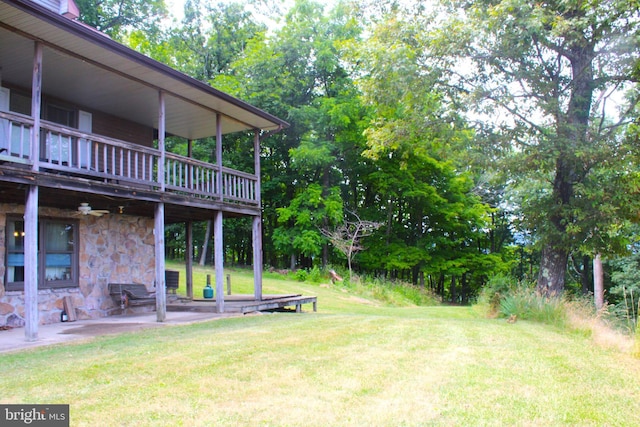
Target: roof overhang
{"points": [[86, 67]]}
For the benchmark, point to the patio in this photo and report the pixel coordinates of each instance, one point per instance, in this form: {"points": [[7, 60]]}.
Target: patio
{"points": [[83, 330]]}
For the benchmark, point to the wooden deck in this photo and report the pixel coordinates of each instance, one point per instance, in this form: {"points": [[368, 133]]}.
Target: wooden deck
{"points": [[245, 303]]}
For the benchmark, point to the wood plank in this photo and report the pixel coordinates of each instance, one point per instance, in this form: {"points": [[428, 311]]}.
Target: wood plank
{"points": [[275, 304], [69, 308], [245, 304]]}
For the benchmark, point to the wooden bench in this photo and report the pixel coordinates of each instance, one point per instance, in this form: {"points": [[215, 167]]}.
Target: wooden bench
{"points": [[131, 294]]}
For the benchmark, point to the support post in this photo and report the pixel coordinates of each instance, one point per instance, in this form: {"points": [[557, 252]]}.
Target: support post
{"points": [[256, 229], [189, 233], [161, 293], [36, 106], [219, 186], [257, 257], [161, 136], [158, 226], [31, 264], [189, 267], [31, 206], [219, 261]]}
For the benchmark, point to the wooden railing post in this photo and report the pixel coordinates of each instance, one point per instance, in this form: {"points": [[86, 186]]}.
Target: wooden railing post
{"points": [[161, 130], [219, 156]]}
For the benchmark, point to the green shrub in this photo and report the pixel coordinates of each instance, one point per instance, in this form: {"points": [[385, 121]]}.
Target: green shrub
{"points": [[495, 290], [301, 275], [316, 275]]}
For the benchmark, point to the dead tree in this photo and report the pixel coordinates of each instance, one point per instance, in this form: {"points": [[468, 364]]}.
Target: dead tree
{"points": [[346, 237]]}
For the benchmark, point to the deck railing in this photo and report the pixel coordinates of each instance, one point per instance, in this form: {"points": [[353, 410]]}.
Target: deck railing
{"points": [[92, 156]]}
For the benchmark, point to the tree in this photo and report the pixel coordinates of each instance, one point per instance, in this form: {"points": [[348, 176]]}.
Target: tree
{"points": [[544, 75], [434, 222], [114, 17], [301, 222], [346, 238], [298, 73]]}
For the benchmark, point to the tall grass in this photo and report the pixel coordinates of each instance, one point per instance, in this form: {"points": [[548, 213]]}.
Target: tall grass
{"points": [[504, 297], [530, 305], [394, 293]]}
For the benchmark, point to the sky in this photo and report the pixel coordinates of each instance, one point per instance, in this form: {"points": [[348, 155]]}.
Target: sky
{"points": [[176, 8]]}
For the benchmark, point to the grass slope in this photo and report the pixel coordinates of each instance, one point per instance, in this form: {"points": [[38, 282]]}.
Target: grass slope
{"points": [[354, 363]]}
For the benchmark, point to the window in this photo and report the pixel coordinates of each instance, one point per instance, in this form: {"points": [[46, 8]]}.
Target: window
{"points": [[15, 251], [57, 147], [61, 115], [57, 253]]}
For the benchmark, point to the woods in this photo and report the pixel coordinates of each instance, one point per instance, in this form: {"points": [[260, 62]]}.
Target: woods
{"points": [[485, 138]]}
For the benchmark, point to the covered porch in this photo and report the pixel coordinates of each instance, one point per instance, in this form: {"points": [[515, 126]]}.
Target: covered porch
{"points": [[84, 123]]}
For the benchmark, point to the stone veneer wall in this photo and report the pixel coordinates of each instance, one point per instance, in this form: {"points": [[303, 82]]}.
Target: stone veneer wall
{"points": [[114, 248]]}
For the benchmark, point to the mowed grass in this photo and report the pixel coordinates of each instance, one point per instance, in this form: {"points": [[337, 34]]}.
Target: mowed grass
{"points": [[355, 362]]}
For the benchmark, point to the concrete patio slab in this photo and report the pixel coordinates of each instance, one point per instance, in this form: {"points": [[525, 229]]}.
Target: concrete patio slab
{"points": [[14, 339]]}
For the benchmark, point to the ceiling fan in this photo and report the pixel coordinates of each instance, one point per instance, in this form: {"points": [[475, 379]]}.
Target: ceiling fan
{"points": [[85, 209]]}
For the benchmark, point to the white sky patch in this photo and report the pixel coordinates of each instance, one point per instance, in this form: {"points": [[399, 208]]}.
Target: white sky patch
{"points": [[176, 9]]}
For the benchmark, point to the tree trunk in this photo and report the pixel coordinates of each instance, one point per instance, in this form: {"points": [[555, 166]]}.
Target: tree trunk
{"points": [[598, 282], [570, 169], [464, 288], [205, 245], [585, 277], [453, 289], [553, 265]]}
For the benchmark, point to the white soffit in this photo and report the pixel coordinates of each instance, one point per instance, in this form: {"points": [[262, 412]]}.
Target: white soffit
{"points": [[86, 67]]}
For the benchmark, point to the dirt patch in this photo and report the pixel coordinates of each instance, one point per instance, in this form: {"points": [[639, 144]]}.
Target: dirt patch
{"points": [[108, 328]]}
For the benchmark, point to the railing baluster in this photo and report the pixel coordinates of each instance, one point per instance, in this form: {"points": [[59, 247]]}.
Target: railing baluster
{"points": [[244, 188], [78, 155], [121, 162], [178, 173], [135, 164], [113, 160], [69, 151], [150, 166]]}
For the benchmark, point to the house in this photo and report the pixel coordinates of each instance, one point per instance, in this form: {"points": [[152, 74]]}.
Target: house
{"points": [[83, 122]]}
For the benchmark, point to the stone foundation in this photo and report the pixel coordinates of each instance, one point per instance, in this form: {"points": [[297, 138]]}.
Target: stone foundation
{"points": [[114, 248]]}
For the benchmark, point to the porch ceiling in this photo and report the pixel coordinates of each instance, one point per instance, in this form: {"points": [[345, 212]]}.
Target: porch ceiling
{"points": [[86, 67], [70, 200]]}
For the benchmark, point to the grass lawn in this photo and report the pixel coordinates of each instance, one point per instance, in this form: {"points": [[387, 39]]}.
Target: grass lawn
{"points": [[356, 362]]}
